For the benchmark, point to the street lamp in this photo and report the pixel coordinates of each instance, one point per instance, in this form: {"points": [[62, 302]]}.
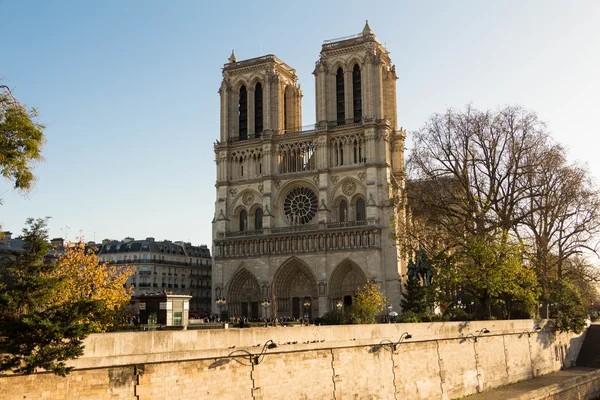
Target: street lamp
{"points": [[306, 305], [221, 303], [479, 334], [339, 305]]}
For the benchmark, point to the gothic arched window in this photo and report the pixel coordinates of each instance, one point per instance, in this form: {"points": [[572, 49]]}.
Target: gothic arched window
{"points": [[258, 219], [356, 94], [258, 110], [286, 95], [339, 96], [343, 211], [243, 114], [361, 213], [243, 220]]}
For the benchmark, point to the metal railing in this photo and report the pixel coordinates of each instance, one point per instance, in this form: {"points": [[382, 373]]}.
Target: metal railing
{"points": [[356, 35]]}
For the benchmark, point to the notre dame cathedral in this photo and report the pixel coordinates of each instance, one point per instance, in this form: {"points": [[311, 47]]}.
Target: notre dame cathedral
{"points": [[304, 215]]}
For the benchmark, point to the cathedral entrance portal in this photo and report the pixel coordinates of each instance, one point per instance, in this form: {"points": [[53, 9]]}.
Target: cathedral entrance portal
{"points": [[346, 279], [295, 290], [249, 310], [243, 295]]}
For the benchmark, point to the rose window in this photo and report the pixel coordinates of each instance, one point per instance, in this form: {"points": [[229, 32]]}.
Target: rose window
{"points": [[300, 205]]}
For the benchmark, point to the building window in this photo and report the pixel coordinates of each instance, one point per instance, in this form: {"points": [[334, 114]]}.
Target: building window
{"points": [[343, 211], [243, 220], [339, 96], [258, 110], [361, 214], [258, 219], [300, 205], [356, 94], [243, 114]]}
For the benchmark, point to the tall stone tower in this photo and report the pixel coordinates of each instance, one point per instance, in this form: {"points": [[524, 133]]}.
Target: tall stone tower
{"points": [[303, 214]]}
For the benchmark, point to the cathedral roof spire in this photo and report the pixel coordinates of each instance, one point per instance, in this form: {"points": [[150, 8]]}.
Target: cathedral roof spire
{"points": [[232, 58], [367, 29]]}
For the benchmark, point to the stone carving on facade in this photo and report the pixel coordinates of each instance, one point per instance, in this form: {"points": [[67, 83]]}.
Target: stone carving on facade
{"points": [[352, 282], [321, 67], [323, 206], [316, 179], [322, 285], [277, 183], [221, 216], [371, 202], [225, 87], [260, 188], [233, 192], [248, 198], [362, 176], [266, 290], [334, 179], [372, 57], [349, 188], [267, 212], [301, 285], [272, 77]]}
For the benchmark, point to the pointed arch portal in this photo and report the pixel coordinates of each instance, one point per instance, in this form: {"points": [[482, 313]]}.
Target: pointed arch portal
{"points": [[345, 280], [243, 295], [295, 290]]}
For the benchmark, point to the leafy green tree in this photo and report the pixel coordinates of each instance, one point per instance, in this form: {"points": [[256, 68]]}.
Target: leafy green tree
{"points": [[21, 140], [368, 302], [415, 297], [567, 308], [492, 270], [35, 333], [334, 317]]}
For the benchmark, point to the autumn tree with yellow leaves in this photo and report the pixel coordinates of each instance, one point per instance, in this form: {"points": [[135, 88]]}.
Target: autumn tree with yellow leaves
{"points": [[48, 308], [84, 277], [368, 302]]}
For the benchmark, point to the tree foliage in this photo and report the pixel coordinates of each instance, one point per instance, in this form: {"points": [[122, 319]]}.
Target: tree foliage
{"points": [[42, 324], [567, 307], [492, 270], [34, 333], [415, 297], [83, 277], [368, 302], [21, 140], [494, 202]]}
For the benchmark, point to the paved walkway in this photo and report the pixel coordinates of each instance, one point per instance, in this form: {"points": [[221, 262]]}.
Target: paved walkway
{"points": [[540, 387]]}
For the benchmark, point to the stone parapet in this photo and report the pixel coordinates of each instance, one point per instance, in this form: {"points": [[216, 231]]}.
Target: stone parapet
{"points": [[440, 361]]}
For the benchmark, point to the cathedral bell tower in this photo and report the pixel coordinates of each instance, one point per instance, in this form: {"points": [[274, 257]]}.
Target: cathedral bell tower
{"points": [[356, 83], [258, 96]]}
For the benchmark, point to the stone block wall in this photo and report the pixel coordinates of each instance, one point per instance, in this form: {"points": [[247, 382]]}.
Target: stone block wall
{"points": [[440, 361]]}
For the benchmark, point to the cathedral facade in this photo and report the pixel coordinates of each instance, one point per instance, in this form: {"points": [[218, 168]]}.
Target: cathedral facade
{"points": [[304, 215]]}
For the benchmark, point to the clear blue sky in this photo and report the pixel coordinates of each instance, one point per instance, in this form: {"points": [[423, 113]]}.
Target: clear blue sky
{"points": [[128, 89]]}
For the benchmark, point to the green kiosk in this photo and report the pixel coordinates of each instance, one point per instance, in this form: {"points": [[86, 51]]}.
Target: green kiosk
{"points": [[164, 309]]}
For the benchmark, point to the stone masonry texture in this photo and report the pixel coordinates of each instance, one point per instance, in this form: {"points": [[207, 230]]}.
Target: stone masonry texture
{"points": [[440, 361]]}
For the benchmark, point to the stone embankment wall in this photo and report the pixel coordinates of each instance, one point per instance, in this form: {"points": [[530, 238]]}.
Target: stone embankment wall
{"points": [[440, 361]]}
